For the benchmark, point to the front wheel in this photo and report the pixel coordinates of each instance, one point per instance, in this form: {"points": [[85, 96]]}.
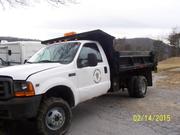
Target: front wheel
{"points": [[54, 117]]}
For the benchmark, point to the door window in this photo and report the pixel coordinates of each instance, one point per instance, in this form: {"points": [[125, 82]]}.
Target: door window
{"points": [[87, 49]]}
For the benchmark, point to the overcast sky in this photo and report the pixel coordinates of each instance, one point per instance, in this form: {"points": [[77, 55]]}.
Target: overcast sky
{"points": [[121, 18]]}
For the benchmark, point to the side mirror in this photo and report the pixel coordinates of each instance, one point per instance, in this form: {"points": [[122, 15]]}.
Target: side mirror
{"points": [[25, 61], [92, 60]]}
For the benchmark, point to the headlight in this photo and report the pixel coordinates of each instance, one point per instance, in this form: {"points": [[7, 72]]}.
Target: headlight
{"points": [[23, 88], [20, 86]]}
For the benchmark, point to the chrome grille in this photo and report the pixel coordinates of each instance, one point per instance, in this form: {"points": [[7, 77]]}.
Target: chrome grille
{"points": [[2, 90], [5, 87]]}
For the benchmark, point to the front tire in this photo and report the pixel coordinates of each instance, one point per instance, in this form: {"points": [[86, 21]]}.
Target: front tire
{"points": [[54, 117]]}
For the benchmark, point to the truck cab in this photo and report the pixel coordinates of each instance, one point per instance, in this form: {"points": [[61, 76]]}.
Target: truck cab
{"points": [[74, 61]]}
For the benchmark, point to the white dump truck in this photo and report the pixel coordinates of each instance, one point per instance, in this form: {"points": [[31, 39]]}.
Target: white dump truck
{"points": [[69, 71], [13, 53]]}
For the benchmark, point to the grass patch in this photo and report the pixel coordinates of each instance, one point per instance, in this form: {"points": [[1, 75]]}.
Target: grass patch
{"points": [[172, 77], [168, 64]]}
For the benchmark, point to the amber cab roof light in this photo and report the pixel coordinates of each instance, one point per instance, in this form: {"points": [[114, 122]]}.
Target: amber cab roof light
{"points": [[70, 34]]}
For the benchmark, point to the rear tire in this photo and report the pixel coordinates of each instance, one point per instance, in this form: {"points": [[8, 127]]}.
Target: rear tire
{"points": [[54, 117], [140, 87], [131, 86], [137, 86]]}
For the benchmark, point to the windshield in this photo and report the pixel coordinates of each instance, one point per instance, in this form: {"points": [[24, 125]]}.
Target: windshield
{"points": [[63, 53]]}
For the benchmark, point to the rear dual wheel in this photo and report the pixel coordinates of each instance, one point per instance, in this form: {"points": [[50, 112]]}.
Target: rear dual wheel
{"points": [[137, 86]]}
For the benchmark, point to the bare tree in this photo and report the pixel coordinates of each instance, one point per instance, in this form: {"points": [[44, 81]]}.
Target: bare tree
{"points": [[174, 37], [13, 3]]}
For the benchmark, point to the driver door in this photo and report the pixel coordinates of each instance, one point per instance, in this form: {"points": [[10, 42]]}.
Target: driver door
{"points": [[92, 80]]}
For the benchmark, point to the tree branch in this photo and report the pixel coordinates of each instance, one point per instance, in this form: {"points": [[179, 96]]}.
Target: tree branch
{"points": [[13, 3], [2, 4]]}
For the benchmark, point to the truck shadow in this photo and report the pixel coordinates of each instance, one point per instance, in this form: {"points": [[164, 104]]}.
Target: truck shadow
{"points": [[19, 128]]}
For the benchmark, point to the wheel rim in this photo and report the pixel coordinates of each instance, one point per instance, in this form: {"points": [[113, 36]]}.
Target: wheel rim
{"points": [[143, 87], [55, 118]]}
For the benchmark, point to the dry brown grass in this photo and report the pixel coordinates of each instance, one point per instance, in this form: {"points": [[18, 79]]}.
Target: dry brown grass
{"points": [[169, 64], [171, 77]]}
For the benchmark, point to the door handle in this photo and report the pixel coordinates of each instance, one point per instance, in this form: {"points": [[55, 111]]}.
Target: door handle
{"points": [[105, 70], [72, 74]]}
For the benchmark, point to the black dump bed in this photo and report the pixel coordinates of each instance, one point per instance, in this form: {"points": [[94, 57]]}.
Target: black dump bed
{"points": [[118, 61]]}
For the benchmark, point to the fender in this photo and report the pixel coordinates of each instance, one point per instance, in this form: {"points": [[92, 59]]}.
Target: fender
{"points": [[44, 86]]}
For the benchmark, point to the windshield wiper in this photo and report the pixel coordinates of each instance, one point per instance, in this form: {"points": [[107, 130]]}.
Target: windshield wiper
{"points": [[29, 62], [47, 61], [44, 61]]}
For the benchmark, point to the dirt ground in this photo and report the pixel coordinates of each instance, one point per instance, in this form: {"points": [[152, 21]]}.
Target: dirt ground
{"points": [[112, 114]]}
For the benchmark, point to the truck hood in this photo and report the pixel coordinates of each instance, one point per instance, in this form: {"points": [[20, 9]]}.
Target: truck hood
{"points": [[21, 72]]}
